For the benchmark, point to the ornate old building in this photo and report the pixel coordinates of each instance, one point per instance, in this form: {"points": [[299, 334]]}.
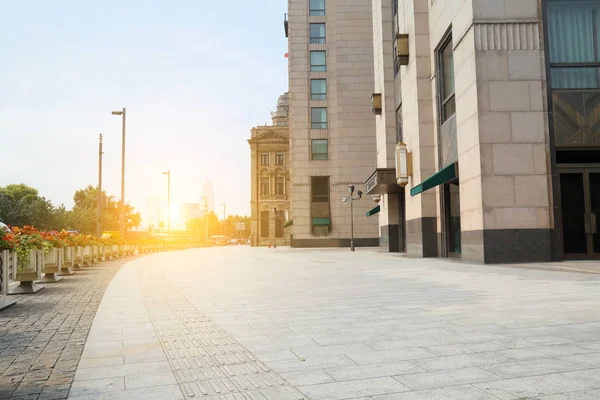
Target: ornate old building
{"points": [[270, 179]]}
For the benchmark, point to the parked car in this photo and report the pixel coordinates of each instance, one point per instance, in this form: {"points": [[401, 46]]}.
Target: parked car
{"points": [[220, 240]]}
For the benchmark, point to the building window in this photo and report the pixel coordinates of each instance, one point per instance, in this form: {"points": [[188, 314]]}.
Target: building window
{"points": [[264, 224], [574, 43], [318, 89], [318, 118], [279, 185], [320, 189], [278, 158], [318, 61], [446, 74], [264, 186], [278, 226], [320, 149], [319, 192], [317, 33], [264, 159], [317, 7]]}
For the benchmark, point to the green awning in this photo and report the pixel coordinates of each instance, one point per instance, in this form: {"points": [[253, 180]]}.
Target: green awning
{"points": [[442, 176], [288, 224], [321, 221], [374, 211]]}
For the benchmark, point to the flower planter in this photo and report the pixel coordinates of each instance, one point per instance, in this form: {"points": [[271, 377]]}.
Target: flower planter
{"points": [[86, 257], [67, 261], [96, 256], [78, 259], [28, 271], [51, 266], [8, 268]]}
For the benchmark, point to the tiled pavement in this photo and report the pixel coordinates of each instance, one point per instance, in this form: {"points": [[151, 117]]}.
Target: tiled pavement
{"points": [[43, 335], [250, 324]]}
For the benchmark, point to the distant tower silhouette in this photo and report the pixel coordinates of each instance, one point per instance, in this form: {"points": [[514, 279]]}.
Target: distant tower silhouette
{"points": [[208, 191]]}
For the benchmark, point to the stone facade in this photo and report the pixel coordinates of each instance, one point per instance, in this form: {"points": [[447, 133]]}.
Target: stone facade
{"points": [[492, 124], [344, 31], [270, 180]]}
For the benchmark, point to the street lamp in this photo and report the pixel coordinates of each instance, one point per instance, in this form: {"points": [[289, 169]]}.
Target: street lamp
{"points": [[168, 173], [351, 199], [122, 219], [275, 231], [223, 219]]}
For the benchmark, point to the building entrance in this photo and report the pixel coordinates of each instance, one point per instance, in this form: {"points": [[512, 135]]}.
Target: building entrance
{"points": [[452, 214], [580, 212]]}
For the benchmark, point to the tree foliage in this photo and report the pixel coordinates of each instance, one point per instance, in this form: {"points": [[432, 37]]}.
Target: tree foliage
{"points": [[22, 205]]}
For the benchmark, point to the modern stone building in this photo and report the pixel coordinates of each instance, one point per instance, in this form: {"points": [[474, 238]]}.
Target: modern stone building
{"points": [[332, 130], [270, 179], [498, 104]]}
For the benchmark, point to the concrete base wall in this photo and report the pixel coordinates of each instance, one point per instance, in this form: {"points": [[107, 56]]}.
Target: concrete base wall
{"points": [[495, 246], [421, 237], [315, 243]]}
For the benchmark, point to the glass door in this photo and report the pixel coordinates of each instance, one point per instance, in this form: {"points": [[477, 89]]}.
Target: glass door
{"points": [[580, 212], [594, 185], [452, 210]]}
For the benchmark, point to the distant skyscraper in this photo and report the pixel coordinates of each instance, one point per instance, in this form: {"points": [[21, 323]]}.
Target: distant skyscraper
{"points": [[208, 191]]}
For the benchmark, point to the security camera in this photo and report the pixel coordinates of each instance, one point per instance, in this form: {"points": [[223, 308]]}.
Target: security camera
{"points": [[344, 200], [360, 194], [376, 198]]}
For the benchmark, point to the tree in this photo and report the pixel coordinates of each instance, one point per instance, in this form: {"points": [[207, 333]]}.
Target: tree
{"points": [[22, 205], [85, 210]]}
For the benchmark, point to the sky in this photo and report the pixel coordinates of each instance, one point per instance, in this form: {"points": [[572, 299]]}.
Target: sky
{"points": [[194, 75]]}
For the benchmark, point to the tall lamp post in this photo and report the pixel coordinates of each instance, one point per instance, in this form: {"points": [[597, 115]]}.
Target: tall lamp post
{"points": [[223, 219], [275, 231], [168, 173], [99, 212], [351, 188], [206, 220], [122, 113]]}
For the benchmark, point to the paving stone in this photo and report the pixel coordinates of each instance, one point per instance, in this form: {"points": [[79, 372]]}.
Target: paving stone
{"points": [[531, 368], [283, 306], [97, 386], [373, 370], [355, 388], [454, 392], [533, 386], [431, 380], [313, 377], [39, 353]]}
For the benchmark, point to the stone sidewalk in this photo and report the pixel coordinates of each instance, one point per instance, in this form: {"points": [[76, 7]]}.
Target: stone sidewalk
{"points": [[250, 324], [43, 335]]}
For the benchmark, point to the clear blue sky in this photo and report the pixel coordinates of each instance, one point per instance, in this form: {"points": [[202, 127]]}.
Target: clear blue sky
{"points": [[195, 76]]}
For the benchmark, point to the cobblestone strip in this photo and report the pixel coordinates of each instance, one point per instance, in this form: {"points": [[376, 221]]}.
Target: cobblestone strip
{"points": [[207, 362], [43, 335]]}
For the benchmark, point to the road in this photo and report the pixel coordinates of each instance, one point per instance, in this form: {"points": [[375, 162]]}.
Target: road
{"points": [[246, 323]]}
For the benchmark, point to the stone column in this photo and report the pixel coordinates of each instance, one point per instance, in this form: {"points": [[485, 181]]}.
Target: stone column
{"points": [[418, 122], [503, 135]]}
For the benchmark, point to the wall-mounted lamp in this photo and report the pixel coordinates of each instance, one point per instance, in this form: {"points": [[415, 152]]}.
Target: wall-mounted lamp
{"points": [[402, 48], [403, 164], [376, 102]]}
